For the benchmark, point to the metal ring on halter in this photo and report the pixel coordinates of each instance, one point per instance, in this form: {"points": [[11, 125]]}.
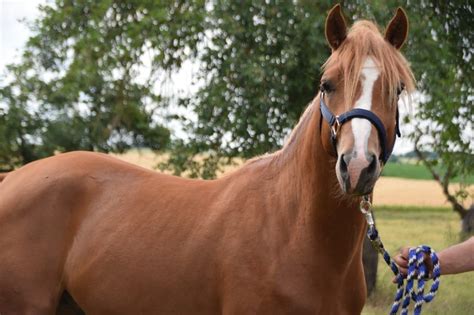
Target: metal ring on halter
{"points": [[366, 209], [335, 127], [365, 205]]}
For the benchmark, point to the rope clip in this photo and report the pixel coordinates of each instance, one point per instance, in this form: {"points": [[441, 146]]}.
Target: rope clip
{"points": [[366, 209]]}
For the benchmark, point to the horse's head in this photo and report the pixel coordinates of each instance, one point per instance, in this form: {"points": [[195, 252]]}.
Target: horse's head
{"points": [[359, 94]]}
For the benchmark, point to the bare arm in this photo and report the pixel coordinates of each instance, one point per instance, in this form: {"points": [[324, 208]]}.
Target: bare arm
{"points": [[458, 258], [455, 259]]}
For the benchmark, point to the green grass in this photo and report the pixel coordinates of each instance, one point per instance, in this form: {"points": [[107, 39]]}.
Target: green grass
{"points": [[414, 171], [436, 227]]}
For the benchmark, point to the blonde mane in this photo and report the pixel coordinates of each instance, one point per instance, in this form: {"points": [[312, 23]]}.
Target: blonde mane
{"points": [[364, 39]]}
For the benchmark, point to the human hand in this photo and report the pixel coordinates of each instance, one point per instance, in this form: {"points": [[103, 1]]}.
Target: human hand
{"points": [[402, 261]]}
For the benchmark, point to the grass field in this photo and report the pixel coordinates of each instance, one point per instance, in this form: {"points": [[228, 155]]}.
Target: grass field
{"points": [[436, 227], [413, 171]]}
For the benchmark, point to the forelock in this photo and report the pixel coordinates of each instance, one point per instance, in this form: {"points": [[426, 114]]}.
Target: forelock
{"points": [[365, 40]]}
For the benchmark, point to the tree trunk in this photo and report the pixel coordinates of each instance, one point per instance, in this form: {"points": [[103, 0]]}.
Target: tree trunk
{"points": [[370, 259], [468, 222], [467, 215]]}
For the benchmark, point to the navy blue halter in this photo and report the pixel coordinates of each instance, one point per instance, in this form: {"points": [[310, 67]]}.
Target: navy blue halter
{"points": [[336, 122]]}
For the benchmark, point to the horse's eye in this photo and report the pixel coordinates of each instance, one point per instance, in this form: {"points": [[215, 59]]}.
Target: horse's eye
{"points": [[400, 88], [326, 86]]}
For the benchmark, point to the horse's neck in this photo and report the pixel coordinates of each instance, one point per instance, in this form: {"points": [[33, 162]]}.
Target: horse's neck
{"points": [[306, 168], [310, 192]]}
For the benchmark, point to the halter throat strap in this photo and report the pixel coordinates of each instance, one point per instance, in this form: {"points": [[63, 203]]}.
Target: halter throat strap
{"points": [[335, 122]]}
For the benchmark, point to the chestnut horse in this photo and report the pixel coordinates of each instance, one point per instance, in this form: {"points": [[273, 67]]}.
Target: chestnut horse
{"points": [[276, 236]]}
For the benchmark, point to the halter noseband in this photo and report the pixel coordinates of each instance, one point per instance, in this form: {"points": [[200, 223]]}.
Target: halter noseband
{"points": [[335, 122]]}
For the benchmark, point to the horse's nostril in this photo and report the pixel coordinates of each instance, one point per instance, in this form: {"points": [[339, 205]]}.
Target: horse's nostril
{"points": [[347, 158], [373, 164], [343, 163], [343, 174]]}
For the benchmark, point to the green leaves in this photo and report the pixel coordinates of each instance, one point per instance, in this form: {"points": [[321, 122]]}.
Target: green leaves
{"points": [[441, 52], [82, 82], [90, 77], [260, 64]]}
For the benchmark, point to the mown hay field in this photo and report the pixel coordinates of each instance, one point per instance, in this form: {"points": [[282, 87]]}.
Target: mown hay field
{"points": [[388, 191]]}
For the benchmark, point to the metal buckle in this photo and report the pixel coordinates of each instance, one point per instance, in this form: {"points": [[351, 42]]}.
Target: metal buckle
{"points": [[335, 128]]}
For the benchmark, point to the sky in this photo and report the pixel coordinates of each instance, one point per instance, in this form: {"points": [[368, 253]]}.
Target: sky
{"points": [[14, 33]]}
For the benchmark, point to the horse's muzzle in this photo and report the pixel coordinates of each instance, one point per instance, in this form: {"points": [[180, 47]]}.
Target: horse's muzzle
{"points": [[357, 174]]}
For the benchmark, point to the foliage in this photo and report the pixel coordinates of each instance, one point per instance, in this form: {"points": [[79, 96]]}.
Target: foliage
{"points": [[262, 64], [442, 60], [261, 67], [79, 84]]}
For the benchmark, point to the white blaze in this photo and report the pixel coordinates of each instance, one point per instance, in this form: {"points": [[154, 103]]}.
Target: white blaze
{"points": [[361, 127]]}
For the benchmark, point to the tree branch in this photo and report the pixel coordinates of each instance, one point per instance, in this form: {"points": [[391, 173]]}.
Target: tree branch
{"points": [[442, 180]]}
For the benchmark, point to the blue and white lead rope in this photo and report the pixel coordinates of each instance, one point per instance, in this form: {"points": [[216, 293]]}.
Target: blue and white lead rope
{"points": [[416, 268]]}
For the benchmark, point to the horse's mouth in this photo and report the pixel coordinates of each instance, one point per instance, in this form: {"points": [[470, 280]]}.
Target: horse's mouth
{"points": [[359, 190]]}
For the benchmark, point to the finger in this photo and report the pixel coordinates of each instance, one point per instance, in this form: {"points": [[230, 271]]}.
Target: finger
{"points": [[428, 261], [403, 271], [400, 260], [404, 252], [429, 266]]}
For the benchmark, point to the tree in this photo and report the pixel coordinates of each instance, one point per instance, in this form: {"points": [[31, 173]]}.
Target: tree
{"points": [[444, 123], [79, 84], [260, 68]]}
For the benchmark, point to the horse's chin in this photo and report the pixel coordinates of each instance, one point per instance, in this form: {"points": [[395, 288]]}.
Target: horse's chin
{"points": [[354, 193], [360, 190], [360, 193]]}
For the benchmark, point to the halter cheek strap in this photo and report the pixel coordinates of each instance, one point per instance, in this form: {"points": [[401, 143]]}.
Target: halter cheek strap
{"points": [[335, 122]]}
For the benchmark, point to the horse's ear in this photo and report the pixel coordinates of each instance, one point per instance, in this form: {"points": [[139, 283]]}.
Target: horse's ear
{"points": [[397, 29], [336, 28]]}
